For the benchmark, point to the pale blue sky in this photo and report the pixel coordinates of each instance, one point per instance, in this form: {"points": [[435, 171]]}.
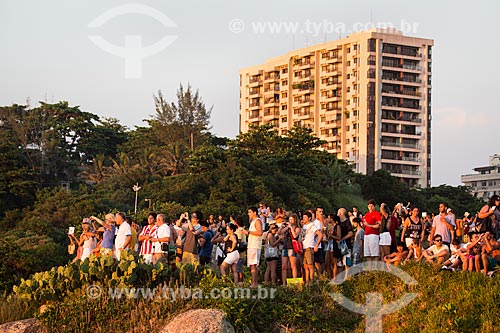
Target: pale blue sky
{"points": [[46, 55]]}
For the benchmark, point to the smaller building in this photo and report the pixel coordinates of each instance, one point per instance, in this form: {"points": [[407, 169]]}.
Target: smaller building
{"points": [[486, 182]]}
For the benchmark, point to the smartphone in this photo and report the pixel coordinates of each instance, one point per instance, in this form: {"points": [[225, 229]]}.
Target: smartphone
{"points": [[424, 214], [71, 230]]}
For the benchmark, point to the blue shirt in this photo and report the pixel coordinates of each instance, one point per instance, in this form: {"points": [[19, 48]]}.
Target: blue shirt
{"points": [[108, 238], [206, 250]]}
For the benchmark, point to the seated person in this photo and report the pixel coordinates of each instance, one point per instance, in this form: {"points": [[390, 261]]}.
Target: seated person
{"points": [[398, 256], [414, 251], [472, 251], [455, 259], [490, 253], [438, 252]]}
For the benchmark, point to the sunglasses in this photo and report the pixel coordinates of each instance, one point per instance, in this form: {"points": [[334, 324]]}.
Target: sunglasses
{"points": [[438, 240]]}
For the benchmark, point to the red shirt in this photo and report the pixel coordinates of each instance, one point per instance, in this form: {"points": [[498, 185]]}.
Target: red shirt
{"points": [[147, 246], [371, 218]]}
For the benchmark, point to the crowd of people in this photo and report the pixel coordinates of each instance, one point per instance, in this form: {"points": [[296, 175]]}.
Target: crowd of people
{"points": [[302, 246]]}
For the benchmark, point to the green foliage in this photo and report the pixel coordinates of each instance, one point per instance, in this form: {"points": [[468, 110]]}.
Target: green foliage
{"points": [[447, 302]]}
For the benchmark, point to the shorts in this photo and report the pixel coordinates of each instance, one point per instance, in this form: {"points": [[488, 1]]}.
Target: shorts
{"points": [[232, 258], [308, 256], [385, 239], [253, 257], [272, 259], [408, 241], [370, 246], [148, 258], [239, 268], [492, 264], [319, 256], [288, 253]]}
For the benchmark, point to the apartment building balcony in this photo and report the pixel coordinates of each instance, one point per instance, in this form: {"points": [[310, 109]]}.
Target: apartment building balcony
{"points": [[401, 107], [331, 59], [331, 72], [403, 134], [406, 174], [271, 77], [255, 82], [303, 91], [271, 92], [270, 115], [402, 161], [403, 68], [253, 116], [331, 98], [401, 94], [306, 65], [253, 106], [403, 146], [271, 102], [302, 78]]}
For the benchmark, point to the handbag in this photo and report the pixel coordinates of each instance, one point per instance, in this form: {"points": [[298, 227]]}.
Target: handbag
{"points": [[297, 247], [270, 252], [344, 250]]}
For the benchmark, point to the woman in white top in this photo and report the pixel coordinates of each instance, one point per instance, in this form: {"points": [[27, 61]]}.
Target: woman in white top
{"points": [[86, 239]]}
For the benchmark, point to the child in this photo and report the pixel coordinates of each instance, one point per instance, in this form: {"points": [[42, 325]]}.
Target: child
{"points": [[454, 261], [414, 251], [357, 248], [398, 256]]}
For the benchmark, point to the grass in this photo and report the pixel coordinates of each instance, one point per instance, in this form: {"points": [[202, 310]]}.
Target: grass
{"points": [[447, 302]]}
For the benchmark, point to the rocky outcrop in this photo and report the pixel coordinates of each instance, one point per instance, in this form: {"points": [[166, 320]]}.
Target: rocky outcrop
{"points": [[199, 321], [22, 326]]}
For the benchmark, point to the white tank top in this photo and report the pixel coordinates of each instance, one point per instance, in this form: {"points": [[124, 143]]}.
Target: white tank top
{"points": [[254, 242]]}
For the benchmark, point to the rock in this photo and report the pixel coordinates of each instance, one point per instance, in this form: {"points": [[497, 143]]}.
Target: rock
{"points": [[21, 326], [199, 321]]}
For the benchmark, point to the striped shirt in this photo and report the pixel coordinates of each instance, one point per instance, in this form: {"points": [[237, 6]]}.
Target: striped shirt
{"points": [[147, 246]]}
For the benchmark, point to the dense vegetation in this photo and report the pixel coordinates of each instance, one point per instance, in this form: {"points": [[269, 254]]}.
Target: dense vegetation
{"points": [[179, 165], [446, 302]]}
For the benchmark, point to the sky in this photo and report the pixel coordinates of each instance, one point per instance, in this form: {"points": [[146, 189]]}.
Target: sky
{"points": [[111, 57]]}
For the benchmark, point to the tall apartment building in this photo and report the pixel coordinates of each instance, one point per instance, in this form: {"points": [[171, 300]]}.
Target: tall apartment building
{"points": [[367, 95], [486, 181]]}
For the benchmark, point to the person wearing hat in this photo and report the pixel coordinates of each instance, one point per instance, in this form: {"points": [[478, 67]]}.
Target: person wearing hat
{"points": [[108, 228], [86, 240]]}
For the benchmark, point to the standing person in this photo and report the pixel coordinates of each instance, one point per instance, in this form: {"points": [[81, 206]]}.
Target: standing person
{"points": [[289, 230], [271, 254], [108, 236], [486, 217], [356, 212], [263, 213], [161, 236], [311, 240], [357, 248], [86, 240], [372, 221], [443, 226], [413, 228], [205, 243], [346, 232], [133, 246], [232, 254], [190, 250], [280, 216], [145, 236], [254, 244], [332, 251], [385, 235], [124, 235], [319, 256]]}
